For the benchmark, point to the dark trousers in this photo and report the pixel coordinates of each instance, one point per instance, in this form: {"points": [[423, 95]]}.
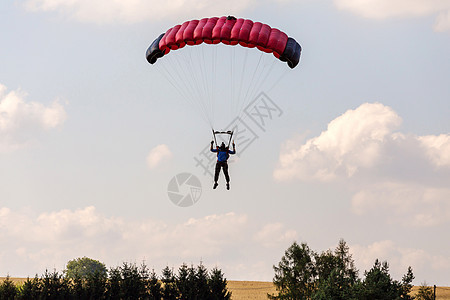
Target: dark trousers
{"points": [[224, 165]]}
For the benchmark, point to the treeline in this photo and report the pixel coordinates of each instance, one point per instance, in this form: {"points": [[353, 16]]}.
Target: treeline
{"points": [[128, 281], [305, 274]]}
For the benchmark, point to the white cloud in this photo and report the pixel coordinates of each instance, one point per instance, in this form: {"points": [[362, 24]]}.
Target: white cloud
{"points": [[399, 258], [437, 149], [385, 169], [20, 120], [274, 234], [106, 11], [351, 142], [31, 243], [411, 205], [443, 22], [381, 9], [157, 155]]}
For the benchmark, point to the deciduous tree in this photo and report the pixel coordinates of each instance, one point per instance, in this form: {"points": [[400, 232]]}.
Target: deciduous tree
{"points": [[83, 267]]}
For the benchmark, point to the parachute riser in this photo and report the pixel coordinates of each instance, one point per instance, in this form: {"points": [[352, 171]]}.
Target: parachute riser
{"points": [[229, 141], [223, 132], [214, 134]]}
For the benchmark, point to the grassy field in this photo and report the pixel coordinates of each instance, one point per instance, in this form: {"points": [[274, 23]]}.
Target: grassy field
{"points": [[250, 289], [258, 290]]}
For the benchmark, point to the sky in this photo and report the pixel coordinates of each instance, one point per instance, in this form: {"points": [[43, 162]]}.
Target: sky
{"points": [[356, 146]]}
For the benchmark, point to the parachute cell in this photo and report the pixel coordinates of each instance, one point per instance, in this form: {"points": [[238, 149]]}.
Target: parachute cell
{"points": [[229, 31]]}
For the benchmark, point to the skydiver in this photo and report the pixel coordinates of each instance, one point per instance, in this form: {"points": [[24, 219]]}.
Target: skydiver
{"points": [[223, 153]]}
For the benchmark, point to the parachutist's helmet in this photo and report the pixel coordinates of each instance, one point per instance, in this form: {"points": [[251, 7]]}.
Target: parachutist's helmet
{"points": [[222, 146]]}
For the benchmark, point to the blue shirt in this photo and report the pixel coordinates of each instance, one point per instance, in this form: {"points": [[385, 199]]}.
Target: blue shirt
{"points": [[222, 154]]}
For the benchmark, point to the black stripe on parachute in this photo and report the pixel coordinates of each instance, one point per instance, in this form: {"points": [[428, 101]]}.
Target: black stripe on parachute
{"points": [[153, 52], [291, 53]]}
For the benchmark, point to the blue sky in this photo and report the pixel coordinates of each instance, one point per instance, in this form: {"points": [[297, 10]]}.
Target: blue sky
{"points": [[91, 135]]}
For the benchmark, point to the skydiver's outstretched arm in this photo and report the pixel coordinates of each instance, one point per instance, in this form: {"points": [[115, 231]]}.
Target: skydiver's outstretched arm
{"points": [[234, 149], [212, 149]]}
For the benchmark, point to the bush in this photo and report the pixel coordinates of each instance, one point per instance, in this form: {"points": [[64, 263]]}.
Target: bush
{"points": [[425, 292]]}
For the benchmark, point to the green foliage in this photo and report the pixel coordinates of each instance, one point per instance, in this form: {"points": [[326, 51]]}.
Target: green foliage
{"points": [[425, 292], [84, 267], [378, 284], [304, 274], [113, 285], [197, 283], [295, 274], [337, 274], [218, 285], [133, 281], [406, 285], [201, 282], [170, 290], [30, 289], [8, 290], [125, 282], [154, 287], [78, 288], [54, 286], [182, 280], [95, 286]]}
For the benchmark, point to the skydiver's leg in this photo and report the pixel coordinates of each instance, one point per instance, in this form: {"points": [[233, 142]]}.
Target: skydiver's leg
{"points": [[227, 177], [216, 174], [225, 171]]}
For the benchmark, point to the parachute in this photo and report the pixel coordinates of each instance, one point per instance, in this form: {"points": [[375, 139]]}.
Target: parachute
{"points": [[202, 78], [230, 31]]}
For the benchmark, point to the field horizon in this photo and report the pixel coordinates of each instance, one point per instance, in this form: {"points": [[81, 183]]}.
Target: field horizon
{"points": [[258, 290]]}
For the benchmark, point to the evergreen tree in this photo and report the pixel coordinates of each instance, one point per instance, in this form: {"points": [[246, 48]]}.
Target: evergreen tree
{"points": [[113, 286], [325, 263], [143, 287], [78, 290], [406, 285], [132, 285], [337, 274], [54, 286], [95, 286], [182, 281], [154, 287], [192, 291], [170, 291], [295, 274], [30, 289], [202, 287], [345, 263], [378, 284], [8, 289], [218, 285]]}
